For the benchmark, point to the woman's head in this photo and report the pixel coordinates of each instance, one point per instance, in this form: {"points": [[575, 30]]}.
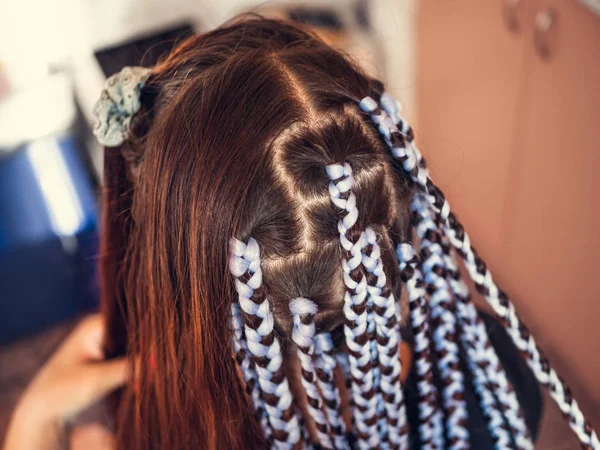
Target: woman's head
{"points": [[235, 132], [259, 185]]}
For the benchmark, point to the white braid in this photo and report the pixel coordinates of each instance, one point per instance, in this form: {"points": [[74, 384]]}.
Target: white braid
{"points": [[411, 160], [375, 369], [245, 258], [389, 351], [483, 358], [445, 333], [381, 421], [431, 427], [526, 343], [325, 361], [364, 404], [241, 351], [381, 410], [302, 335]]}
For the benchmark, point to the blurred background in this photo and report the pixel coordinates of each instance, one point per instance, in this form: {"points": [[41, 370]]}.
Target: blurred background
{"points": [[504, 96]]}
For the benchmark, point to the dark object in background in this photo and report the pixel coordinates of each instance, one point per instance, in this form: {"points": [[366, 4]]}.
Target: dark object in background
{"points": [[47, 236], [319, 18], [518, 372], [48, 276], [145, 51]]}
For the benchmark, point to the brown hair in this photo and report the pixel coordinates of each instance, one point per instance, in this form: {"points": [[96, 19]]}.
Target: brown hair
{"points": [[254, 133], [236, 129]]}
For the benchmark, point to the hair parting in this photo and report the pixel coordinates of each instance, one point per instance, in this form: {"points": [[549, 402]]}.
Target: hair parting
{"points": [[257, 238]]}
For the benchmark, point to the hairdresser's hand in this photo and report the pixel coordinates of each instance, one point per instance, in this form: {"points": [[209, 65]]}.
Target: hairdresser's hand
{"points": [[74, 378]]}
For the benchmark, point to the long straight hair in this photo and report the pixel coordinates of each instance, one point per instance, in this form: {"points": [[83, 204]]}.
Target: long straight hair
{"points": [[236, 128]]}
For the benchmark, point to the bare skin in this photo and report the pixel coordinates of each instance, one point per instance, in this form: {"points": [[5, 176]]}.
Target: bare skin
{"points": [[78, 375], [74, 378]]}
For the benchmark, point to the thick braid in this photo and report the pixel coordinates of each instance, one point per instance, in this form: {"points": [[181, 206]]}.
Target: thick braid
{"points": [[303, 335], [381, 414], [387, 328], [404, 149], [438, 422], [240, 348], [445, 335], [489, 375], [431, 428], [363, 395], [375, 367], [325, 364], [262, 343], [521, 336]]}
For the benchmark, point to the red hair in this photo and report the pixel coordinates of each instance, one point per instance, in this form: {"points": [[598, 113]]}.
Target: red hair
{"points": [[236, 127]]}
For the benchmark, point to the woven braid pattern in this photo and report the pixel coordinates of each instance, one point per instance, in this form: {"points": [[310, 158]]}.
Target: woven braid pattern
{"points": [[387, 330], [382, 425], [262, 344], [445, 336], [485, 389], [431, 427], [483, 358], [242, 357], [404, 149], [364, 400], [303, 311], [325, 364]]}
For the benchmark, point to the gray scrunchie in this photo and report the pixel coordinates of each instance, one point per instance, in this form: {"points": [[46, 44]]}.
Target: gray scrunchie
{"points": [[119, 101]]}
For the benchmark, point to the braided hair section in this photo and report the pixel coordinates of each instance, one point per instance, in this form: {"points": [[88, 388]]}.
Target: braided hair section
{"points": [[489, 376], [430, 429], [240, 348], [387, 329], [486, 389], [303, 311], [356, 334], [445, 333], [262, 344], [375, 365], [521, 335], [325, 364], [404, 149]]}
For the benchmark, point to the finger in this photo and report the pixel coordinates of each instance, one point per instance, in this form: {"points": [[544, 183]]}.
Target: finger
{"points": [[85, 342], [91, 437], [94, 381], [107, 376], [93, 337]]}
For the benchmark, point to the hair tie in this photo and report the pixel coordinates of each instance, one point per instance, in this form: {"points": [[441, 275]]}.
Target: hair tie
{"points": [[119, 101]]}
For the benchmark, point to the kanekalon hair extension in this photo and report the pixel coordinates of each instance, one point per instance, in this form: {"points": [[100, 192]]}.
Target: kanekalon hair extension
{"points": [[177, 191], [325, 364], [502, 389], [399, 137], [445, 332], [364, 400], [262, 343], [240, 349], [490, 379], [431, 431], [388, 343], [476, 359], [303, 311], [375, 368], [375, 363]]}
